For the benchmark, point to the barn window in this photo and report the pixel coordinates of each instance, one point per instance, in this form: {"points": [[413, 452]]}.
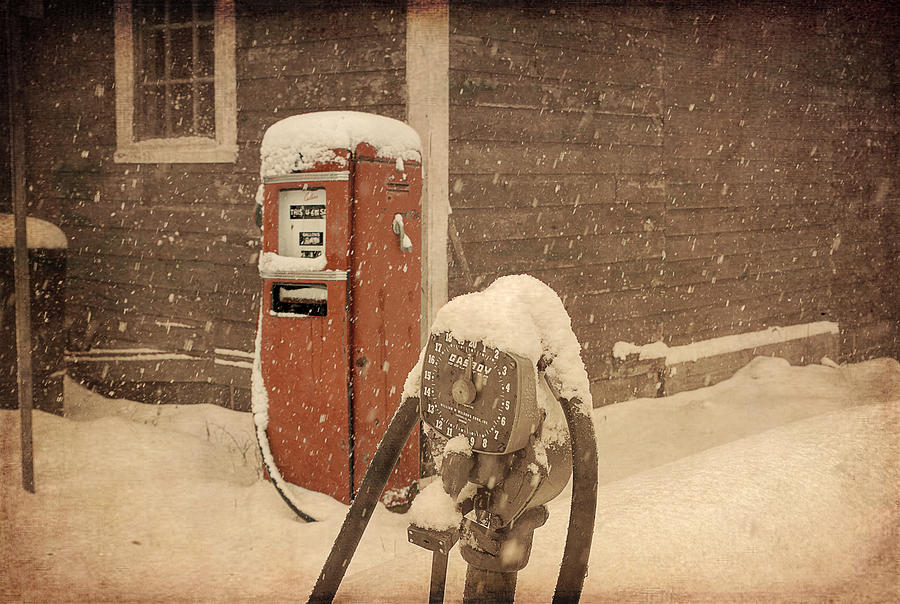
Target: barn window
{"points": [[175, 81]]}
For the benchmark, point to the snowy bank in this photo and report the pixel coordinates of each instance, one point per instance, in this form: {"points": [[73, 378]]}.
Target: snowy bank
{"points": [[695, 351], [778, 484], [38, 233]]}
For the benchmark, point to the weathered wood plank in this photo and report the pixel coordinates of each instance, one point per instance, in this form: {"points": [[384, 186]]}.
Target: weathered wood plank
{"points": [[154, 220], [556, 159], [235, 335], [171, 303], [729, 220], [556, 221], [767, 122], [507, 192], [371, 53], [523, 255], [275, 23], [603, 278], [93, 325], [474, 54], [715, 244], [727, 316], [486, 89], [294, 95], [172, 371], [758, 194], [198, 276], [617, 305], [745, 265], [570, 27], [723, 146], [711, 370], [166, 246], [744, 171], [501, 124]]}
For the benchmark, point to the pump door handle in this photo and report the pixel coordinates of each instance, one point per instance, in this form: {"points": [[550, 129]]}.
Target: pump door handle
{"points": [[399, 230]]}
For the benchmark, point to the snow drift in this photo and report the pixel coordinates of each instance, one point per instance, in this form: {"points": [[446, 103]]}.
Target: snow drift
{"points": [[778, 484]]}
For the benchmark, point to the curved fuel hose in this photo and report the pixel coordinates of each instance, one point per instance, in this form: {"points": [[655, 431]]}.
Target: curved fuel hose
{"points": [[275, 478], [260, 422], [584, 503], [374, 481]]}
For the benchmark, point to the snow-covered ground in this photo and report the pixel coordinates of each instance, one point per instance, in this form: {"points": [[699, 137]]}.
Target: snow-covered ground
{"points": [[778, 484]]}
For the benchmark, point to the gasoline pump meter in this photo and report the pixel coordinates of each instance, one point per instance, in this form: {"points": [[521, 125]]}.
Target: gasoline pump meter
{"points": [[504, 399]]}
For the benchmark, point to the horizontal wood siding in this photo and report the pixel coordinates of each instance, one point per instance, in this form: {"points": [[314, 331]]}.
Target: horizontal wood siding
{"points": [[675, 172], [780, 147], [163, 256], [556, 161], [679, 173]]}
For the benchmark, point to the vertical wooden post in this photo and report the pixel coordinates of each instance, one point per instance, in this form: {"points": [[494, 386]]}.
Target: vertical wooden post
{"points": [[428, 112], [22, 277]]}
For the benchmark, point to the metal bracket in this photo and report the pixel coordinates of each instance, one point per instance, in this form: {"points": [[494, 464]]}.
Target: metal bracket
{"points": [[432, 540], [440, 543]]}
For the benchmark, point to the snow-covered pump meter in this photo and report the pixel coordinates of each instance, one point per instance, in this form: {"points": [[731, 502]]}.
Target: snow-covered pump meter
{"points": [[480, 393], [339, 208], [505, 402]]}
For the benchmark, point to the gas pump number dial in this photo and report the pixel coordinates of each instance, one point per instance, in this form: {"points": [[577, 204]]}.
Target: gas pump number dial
{"points": [[479, 392]]}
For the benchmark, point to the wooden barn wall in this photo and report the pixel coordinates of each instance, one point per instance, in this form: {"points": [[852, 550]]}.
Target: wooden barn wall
{"points": [[674, 173], [163, 256], [780, 145], [680, 174]]}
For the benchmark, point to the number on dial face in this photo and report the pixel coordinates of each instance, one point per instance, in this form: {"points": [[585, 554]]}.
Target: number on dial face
{"points": [[469, 389]]}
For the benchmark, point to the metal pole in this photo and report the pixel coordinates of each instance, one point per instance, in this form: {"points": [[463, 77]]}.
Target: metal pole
{"points": [[489, 586], [22, 278], [398, 431], [438, 577]]}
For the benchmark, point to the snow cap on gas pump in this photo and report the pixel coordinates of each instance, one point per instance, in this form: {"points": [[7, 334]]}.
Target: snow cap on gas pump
{"points": [[299, 142], [524, 316]]}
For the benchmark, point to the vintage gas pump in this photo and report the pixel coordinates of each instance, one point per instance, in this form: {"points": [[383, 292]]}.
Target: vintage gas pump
{"points": [[505, 400], [340, 267]]}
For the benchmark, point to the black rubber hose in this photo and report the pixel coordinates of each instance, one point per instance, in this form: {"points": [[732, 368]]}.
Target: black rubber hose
{"points": [[584, 503], [376, 477], [284, 496]]}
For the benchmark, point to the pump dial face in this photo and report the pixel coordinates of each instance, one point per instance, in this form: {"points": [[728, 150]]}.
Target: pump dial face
{"points": [[470, 389]]}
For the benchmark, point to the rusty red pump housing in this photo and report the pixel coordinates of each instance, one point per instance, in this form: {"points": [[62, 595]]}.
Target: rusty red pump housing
{"points": [[339, 318]]}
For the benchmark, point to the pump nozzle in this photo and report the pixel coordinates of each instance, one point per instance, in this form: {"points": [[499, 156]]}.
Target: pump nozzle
{"points": [[400, 231]]}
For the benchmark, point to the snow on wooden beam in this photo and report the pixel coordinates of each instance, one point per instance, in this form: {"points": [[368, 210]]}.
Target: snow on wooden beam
{"points": [[655, 369]]}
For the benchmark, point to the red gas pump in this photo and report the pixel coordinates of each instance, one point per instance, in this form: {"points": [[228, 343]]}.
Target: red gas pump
{"points": [[339, 318]]}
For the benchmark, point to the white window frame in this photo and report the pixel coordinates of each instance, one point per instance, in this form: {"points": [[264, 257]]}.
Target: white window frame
{"points": [[189, 149]]}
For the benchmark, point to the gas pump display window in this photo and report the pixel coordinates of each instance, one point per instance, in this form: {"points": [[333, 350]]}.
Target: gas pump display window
{"points": [[482, 393], [301, 214], [309, 300]]}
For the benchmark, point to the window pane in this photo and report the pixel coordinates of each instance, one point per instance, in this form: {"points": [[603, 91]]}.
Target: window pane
{"points": [[181, 53], [150, 56], [150, 107], [182, 109], [180, 11], [206, 113], [148, 12], [205, 52]]}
